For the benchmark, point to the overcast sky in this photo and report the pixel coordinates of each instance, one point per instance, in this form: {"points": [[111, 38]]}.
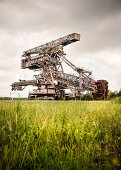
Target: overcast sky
{"points": [[25, 24]]}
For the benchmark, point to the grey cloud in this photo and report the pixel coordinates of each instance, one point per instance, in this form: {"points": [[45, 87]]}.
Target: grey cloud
{"points": [[43, 14], [97, 20], [25, 24]]}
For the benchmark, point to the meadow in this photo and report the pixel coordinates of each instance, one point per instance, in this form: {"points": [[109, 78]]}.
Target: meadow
{"points": [[60, 135]]}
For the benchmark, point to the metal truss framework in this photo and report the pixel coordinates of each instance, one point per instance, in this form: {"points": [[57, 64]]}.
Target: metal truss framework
{"points": [[52, 80]]}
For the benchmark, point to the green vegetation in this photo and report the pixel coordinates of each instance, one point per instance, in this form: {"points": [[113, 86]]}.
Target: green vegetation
{"points": [[60, 134], [87, 96], [15, 98], [113, 94]]}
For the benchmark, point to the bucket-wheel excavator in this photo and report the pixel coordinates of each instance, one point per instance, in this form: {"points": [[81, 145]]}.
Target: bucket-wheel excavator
{"points": [[52, 81]]}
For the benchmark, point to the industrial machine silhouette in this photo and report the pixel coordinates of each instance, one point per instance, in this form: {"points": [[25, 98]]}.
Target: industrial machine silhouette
{"points": [[52, 80]]}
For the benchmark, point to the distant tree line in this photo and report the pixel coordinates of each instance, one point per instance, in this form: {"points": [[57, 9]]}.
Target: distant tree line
{"points": [[9, 98], [111, 95], [88, 96], [114, 94]]}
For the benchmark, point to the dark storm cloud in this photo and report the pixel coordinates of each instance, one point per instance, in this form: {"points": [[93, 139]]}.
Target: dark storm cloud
{"points": [[27, 23], [32, 15], [94, 19]]}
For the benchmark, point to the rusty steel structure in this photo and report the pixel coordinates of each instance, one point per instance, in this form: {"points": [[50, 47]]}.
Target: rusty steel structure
{"points": [[52, 81]]}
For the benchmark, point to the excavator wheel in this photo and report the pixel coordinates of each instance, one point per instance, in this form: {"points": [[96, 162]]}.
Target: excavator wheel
{"points": [[101, 90]]}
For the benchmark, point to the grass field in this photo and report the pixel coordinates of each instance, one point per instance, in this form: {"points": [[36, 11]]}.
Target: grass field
{"points": [[60, 135]]}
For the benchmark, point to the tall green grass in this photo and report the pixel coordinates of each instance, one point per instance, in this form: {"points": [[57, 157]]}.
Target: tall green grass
{"points": [[60, 135]]}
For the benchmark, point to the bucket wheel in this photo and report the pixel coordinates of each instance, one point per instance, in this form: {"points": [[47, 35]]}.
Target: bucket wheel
{"points": [[101, 90]]}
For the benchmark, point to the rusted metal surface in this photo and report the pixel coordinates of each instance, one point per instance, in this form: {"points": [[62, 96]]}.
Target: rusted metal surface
{"points": [[52, 80], [101, 90]]}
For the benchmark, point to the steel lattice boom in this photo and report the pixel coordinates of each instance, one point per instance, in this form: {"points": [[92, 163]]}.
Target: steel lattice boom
{"points": [[52, 80]]}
